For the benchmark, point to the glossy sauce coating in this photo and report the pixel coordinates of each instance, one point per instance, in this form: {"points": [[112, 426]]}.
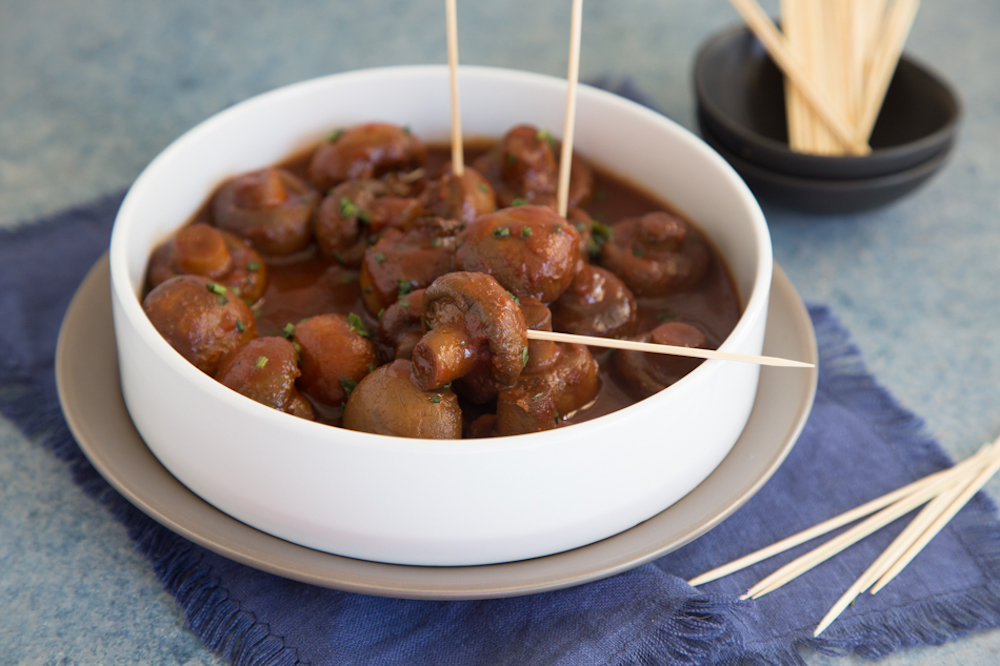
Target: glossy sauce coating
{"points": [[313, 282]]}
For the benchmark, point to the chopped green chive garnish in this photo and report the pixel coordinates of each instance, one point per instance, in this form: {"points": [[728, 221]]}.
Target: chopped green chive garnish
{"points": [[536, 396], [334, 135], [253, 266], [666, 316], [524, 356], [240, 326], [379, 257], [261, 361], [289, 330], [348, 384], [216, 288], [406, 129], [482, 187], [235, 290], [347, 208], [365, 216], [404, 304], [525, 232], [545, 135], [558, 229], [381, 313], [436, 241], [357, 325], [368, 290], [501, 232], [519, 202], [513, 297], [435, 399], [446, 386], [372, 368], [221, 300], [405, 287]]}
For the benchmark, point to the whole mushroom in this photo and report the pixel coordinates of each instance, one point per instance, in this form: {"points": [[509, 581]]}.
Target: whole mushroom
{"points": [[530, 250], [386, 402], [474, 332]]}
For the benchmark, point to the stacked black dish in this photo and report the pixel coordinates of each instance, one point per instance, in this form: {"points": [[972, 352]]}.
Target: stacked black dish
{"points": [[741, 113]]}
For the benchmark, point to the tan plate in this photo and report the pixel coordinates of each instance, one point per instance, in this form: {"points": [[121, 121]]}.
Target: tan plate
{"points": [[87, 380]]}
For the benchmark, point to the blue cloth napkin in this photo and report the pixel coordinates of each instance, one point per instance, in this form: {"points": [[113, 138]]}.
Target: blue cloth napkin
{"points": [[858, 444]]}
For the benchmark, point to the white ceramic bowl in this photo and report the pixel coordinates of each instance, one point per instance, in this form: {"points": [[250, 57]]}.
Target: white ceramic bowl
{"points": [[423, 502]]}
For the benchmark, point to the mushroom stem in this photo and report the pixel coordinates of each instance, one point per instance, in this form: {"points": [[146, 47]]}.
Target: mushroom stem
{"points": [[443, 354]]}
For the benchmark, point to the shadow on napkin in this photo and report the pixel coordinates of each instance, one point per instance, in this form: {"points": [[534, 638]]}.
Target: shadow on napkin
{"points": [[857, 444]]}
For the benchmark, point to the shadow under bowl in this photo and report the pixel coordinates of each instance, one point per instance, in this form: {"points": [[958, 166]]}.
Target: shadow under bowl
{"points": [[824, 196], [741, 102]]}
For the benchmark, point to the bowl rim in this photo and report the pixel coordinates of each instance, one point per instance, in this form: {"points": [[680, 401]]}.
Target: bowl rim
{"points": [[717, 115], [754, 303]]}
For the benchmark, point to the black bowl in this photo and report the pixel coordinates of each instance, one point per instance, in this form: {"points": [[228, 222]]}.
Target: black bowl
{"points": [[741, 102], [828, 196]]}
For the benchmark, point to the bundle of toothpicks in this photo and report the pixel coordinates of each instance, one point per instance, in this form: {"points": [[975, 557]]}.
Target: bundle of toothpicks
{"points": [[838, 57], [943, 494]]}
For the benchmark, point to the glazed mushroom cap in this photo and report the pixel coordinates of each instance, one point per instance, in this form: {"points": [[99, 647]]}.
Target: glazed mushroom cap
{"points": [[657, 254], [401, 262], [386, 402], [200, 249], [365, 151], [530, 250], [272, 208], [472, 326], [265, 370], [463, 198], [334, 355], [525, 165], [597, 303], [400, 327], [201, 319], [642, 374]]}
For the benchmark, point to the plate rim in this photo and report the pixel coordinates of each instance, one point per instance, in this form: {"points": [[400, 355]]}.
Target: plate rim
{"points": [[226, 536]]}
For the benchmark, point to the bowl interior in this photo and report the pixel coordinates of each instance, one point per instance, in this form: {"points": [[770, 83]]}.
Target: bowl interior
{"points": [[741, 100]]}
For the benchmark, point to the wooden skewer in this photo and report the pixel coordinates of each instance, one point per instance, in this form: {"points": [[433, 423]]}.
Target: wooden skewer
{"points": [[938, 524], [691, 352], [879, 520], [899, 545], [777, 46], [457, 154], [917, 534], [898, 23], [569, 120], [837, 521]]}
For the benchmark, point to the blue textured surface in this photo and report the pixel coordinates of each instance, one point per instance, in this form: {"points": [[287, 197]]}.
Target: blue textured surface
{"points": [[89, 92]]}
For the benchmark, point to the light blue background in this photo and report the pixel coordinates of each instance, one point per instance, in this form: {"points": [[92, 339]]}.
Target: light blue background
{"points": [[91, 91]]}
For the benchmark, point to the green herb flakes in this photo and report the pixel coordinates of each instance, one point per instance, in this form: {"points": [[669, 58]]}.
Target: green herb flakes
{"points": [[525, 232], [347, 208], [519, 202], [357, 325], [501, 232], [240, 326], [289, 330], [334, 135], [348, 384], [435, 399], [261, 362], [253, 266], [524, 356]]}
